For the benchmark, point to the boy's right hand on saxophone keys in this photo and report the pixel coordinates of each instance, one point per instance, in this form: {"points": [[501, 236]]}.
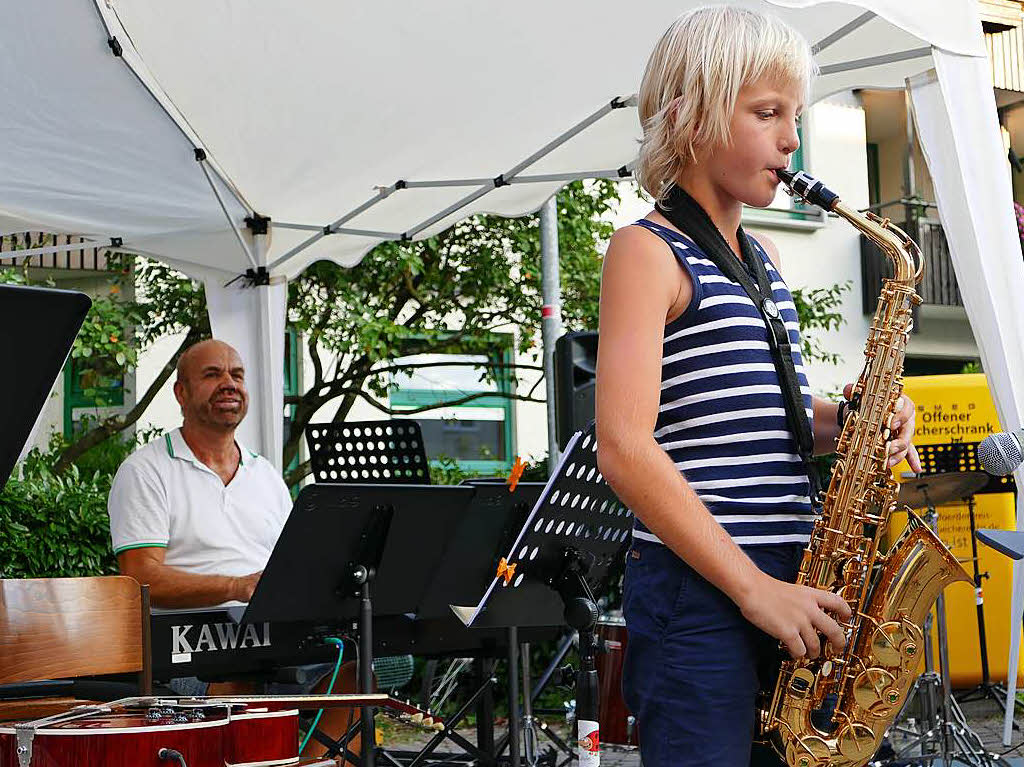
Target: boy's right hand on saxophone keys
{"points": [[795, 615]]}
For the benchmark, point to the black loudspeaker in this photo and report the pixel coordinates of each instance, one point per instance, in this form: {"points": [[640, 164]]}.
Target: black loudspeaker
{"points": [[575, 372]]}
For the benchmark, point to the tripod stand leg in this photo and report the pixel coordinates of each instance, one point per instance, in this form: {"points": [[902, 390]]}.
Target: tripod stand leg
{"points": [[529, 733], [485, 709], [369, 735], [513, 696]]}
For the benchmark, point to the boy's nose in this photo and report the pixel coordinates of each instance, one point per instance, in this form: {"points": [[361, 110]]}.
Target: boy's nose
{"points": [[790, 140]]}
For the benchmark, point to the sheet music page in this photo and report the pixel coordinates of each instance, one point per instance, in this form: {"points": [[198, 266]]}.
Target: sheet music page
{"points": [[468, 614]]}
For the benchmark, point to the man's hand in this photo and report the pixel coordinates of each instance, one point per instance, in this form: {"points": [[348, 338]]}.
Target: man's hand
{"points": [[900, 445], [244, 586], [795, 615]]}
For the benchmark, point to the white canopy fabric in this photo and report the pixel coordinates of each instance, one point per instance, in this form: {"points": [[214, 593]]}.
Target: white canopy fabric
{"points": [[164, 127], [959, 137], [168, 126]]}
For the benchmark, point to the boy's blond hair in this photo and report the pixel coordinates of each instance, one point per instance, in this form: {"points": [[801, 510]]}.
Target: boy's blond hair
{"points": [[695, 72]]}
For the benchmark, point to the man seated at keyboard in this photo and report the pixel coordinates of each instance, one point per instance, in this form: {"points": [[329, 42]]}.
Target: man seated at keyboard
{"points": [[195, 514]]}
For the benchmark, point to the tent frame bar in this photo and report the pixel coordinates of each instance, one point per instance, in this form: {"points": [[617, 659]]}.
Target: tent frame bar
{"points": [[382, 194], [875, 61], [842, 32], [204, 166], [48, 249], [505, 178], [484, 186], [624, 172], [117, 51]]}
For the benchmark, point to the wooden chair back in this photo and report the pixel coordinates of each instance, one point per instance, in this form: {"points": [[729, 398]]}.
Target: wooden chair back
{"points": [[59, 628]]}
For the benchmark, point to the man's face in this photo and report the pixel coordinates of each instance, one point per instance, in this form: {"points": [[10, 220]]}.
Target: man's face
{"points": [[211, 389]]}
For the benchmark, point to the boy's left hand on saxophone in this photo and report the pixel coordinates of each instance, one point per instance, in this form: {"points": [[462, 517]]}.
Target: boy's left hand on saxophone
{"points": [[900, 445]]}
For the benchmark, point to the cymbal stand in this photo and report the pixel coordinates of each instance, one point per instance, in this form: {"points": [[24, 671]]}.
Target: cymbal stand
{"points": [[943, 735]]}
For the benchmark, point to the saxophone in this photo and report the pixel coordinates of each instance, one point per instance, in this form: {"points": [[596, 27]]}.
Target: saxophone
{"points": [[835, 709]]}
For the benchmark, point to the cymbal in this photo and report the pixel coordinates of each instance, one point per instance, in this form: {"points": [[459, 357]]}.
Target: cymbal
{"points": [[947, 487]]}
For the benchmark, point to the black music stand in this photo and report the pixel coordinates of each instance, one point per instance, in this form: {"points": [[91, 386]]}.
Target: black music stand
{"points": [[388, 452], [341, 538], [486, 531], [577, 529], [40, 325], [963, 456]]}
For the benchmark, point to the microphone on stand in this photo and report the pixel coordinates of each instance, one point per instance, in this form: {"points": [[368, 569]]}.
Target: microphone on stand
{"points": [[1000, 454]]}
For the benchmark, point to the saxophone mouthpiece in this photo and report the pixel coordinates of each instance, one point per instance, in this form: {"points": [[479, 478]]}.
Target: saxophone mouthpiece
{"points": [[808, 188]]}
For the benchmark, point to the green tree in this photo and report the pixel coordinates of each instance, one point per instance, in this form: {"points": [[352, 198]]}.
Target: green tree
{"points": [[116, 329], [446, 294], [818, 310]]}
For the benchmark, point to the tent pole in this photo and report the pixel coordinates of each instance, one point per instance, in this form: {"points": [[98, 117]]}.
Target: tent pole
{"points": [[268, 447], [551, 313]]}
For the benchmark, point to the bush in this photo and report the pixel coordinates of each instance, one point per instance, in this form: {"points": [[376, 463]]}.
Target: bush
{"points": [[56, 525]]}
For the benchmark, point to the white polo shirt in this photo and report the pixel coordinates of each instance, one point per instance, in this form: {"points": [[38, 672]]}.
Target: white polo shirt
{"points": [[162, 495]]}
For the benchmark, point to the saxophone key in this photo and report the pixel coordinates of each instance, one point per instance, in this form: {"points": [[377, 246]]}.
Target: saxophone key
{"points": [[857, 742]]}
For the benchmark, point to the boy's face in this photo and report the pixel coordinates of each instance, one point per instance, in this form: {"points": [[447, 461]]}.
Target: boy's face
{"points": [[763, 131]]}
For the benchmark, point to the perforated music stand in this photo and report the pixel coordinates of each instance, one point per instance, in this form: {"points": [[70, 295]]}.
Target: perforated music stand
{"points": [[389, 452], [960, 456], [577, 516], [564, 551]]}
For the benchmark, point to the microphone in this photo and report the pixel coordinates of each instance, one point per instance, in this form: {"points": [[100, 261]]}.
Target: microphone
{"points": [[1001, 453]]}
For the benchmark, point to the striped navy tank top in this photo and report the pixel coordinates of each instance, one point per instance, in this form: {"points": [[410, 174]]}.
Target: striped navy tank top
{"points": [[722, 417]]}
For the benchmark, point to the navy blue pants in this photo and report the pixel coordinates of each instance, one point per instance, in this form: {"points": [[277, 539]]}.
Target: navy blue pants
{"points": [[694, 665]]}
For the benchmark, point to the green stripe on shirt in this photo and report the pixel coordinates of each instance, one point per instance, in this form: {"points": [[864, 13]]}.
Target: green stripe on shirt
{"points": [[152, 544]]}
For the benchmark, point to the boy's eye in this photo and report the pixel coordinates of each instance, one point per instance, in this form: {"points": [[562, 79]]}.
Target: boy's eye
{"points": [[766, 114]]}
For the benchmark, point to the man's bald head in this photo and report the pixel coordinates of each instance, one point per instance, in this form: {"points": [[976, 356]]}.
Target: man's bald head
{"points": [[199, 351], [211, 385]]}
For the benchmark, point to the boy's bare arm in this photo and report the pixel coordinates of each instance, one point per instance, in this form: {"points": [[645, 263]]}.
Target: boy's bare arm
{"points": [[641, 283]]}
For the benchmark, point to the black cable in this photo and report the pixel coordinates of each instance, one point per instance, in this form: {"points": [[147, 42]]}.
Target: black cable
{"points": [[170, 755], [1010, 749]]}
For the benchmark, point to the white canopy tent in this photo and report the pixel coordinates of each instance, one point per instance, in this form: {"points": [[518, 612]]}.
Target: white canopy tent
{"points": [[227, 137]]}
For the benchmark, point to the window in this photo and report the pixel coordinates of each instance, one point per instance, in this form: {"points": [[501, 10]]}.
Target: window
{"points": [[796, 162], [478, 434], [874, 191], [785, 208], [92, 388]]}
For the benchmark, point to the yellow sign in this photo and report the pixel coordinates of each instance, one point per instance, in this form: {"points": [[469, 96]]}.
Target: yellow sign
{"points": [[954, 413]]}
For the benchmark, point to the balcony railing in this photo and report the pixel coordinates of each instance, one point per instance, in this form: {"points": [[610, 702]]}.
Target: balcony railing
{"points": [[938, 286], [88, 257]]}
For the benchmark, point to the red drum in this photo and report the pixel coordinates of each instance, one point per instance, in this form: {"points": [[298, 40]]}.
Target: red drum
{"points": [[616, 724]]}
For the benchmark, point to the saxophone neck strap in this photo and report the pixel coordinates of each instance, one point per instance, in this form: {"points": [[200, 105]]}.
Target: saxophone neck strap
{"points": [[688, 216]]}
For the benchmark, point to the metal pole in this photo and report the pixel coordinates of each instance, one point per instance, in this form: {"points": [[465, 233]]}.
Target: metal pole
{"points": [[909, 176], [528, 733], [513, 697], [551, 313], [368, 729]]}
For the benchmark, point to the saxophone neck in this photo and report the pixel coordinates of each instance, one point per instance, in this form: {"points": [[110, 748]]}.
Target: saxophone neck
{"points": [[908, 265], [902, 251]]}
